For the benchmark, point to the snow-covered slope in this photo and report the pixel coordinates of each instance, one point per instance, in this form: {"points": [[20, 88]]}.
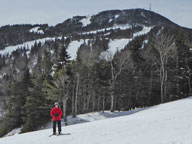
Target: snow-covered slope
{"points": [[114, 27], [73, 48], [114, 46], [168, 123], [90, 117], [28, 45]]}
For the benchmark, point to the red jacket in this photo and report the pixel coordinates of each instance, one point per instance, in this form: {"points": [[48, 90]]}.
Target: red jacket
{"points": [[56, 114]]}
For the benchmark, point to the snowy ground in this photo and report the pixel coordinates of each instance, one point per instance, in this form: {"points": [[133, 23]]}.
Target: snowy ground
{"points": [[168, 123], [90, 117]]}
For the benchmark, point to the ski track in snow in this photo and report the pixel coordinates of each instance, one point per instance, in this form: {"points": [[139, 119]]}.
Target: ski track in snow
{"points": [[168, 123]]}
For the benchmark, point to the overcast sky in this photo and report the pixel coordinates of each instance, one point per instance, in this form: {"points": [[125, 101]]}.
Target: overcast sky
{"points": [[56, 11]]}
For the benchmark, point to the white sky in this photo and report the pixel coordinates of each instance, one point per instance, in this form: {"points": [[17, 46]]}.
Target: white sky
{"points": [[56, 11]]}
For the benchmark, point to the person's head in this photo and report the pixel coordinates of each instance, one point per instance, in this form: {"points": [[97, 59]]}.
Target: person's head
{"points": [[56, 104]]}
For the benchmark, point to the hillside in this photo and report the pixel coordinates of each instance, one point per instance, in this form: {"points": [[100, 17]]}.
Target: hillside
{"points": [[162, 124], [111, 61]]}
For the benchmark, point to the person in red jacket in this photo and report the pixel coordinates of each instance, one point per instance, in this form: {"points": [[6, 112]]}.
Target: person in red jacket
{"points": [[56, 114]]}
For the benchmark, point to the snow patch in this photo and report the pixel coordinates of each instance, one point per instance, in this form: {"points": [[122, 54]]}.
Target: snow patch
{"points": [[86, 21], [114, 27], [158, 33], [116, 16], [144, 43], [144, 31], [110, 20], [36, 30], [15, 131], [2, 75], [106, 34], [142, 14]]}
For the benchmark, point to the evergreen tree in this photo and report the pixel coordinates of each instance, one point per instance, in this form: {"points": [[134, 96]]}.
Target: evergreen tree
{"points": [[19, 93], [35, 109]]}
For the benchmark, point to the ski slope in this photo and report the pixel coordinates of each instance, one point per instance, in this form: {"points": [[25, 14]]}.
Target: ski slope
{"points": [[114, 46], [28, 45], [168, 123]]}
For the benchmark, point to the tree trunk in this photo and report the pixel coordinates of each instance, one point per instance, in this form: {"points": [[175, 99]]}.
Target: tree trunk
{"points": [[73, 102], [162, 77], [94, 100], [65, 110], [76, 95], [151, 84], [165, 85], [112, 98], [103, 103], [99, 102]]}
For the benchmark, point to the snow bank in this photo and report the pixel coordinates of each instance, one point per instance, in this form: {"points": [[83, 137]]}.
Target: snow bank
{"points": [[168, 123], [15, 131]]}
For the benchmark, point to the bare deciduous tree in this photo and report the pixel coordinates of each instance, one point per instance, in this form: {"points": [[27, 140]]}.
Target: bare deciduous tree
{"points": [[115, 72], [163, 44]]}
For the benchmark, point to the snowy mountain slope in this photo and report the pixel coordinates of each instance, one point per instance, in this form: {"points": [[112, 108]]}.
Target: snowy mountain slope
{"points": [[28, 45], [74, 45], [73, 48], [119, 44], [114, 46], [168, 123]]}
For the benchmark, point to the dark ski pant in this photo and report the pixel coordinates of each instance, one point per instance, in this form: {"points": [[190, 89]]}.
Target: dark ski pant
{"points": [[58, 124]]}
